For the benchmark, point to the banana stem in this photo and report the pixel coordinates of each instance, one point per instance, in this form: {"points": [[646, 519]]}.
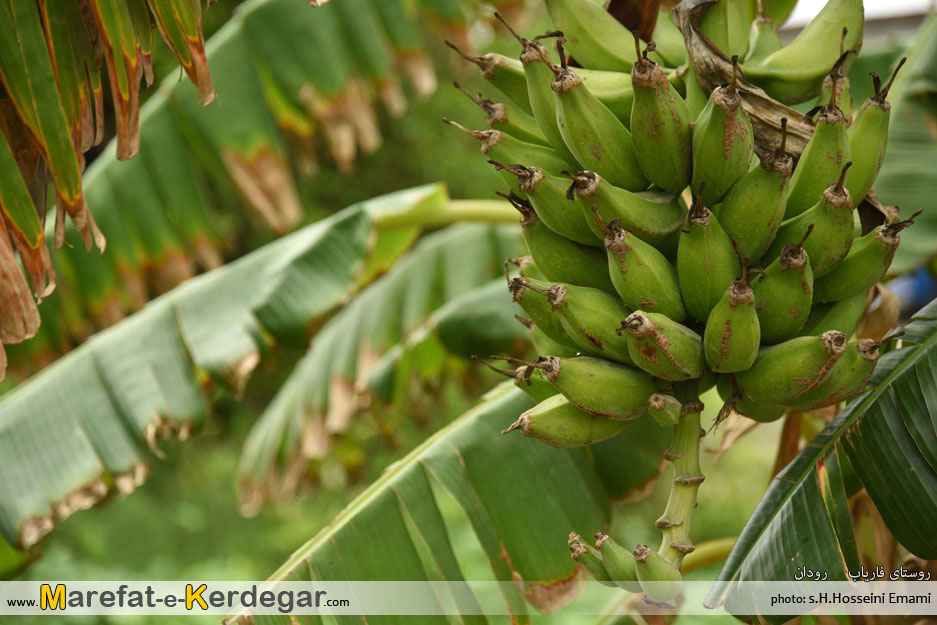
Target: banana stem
{"points": [[491, 211], [708, 552], [687, 476]]}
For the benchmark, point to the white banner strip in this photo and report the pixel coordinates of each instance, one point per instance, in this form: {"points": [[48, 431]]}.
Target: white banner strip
{"points": [[170, 598]]}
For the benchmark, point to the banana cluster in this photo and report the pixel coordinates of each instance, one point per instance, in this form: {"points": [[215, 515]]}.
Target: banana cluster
{"points": [[667, 253]]}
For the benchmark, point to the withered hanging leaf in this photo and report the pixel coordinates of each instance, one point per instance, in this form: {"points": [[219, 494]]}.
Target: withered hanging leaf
{"points": [[70, 85], [28, 77], [23, 223], [638, 16], [120, 45], [180, 23], [92, 130], [19, 317], [883, 312], [143, 29]]}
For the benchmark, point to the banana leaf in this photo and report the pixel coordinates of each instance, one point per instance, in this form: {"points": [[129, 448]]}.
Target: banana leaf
{"points": [[521, 498], [88, 425], [441, 291], [173, 172], [886, 438], [180, 22], [237, 138]]}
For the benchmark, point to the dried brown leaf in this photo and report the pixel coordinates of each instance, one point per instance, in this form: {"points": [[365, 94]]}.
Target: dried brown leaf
{"points": [[713, 69], [882, 315]]}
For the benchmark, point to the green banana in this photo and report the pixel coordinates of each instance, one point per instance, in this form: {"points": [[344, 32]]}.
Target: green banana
{"points": [[784, 373], [834, 229], [662, 347], [763, 413], [784, 293], [526, 379], [842, 95], [538, 77], [725, 24], [777, 10], [590, 559], [539, 311], [706, 261], [586, 381], [593, 134], [723, 142], [544, 344], [547, 195], [868, 138], [707, 380], [821, 160], [503, 147], [538, 308], [526, 267], [506, 118], [589, 317], [559, 258], [613, 89], [664, 409], [558, 423], [753, 208], [733, 332], [619, 563], [660, 127], [506, 75], [848, 376], [795, 73], [696, 98], [671, 47], [843, 315], [640, 273], [658, 577], [595, 38], [866, 263], [763, 39], [652, 216]]}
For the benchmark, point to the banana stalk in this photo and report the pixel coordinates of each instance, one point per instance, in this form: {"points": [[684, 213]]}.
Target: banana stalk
{"points": [[683, 454]]}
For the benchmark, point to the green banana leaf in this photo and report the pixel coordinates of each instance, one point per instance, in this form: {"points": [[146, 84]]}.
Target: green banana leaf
{"points": [[521, 498], [886, 438], [442, 291], [89, 424]]}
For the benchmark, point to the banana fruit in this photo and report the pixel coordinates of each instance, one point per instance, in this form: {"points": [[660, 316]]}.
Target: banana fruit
{"points": [[670, 249]]}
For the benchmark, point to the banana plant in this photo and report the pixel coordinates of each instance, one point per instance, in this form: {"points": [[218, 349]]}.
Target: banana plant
{"points": [[147, 377], [883, 441]]}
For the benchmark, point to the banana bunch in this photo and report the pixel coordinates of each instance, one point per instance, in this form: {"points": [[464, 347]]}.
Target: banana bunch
{"points": [[668, 255]]}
